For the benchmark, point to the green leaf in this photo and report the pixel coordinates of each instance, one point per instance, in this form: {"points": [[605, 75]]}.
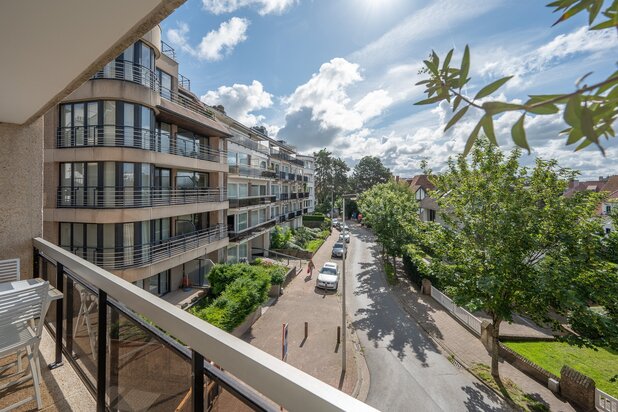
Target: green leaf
{"points": [[456, 102], [574, 136], [548, 108], [429, 101], [543, 97], [488, 128], [447, 59], [603, 25], [431, 66], [584, 144], [456, 118], [492, 87], [572, 111], [465, 67], [587, 122], [498, 107], [471, 139], [519, 133]]}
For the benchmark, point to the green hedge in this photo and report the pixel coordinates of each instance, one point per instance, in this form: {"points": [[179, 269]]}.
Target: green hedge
{"points": [[314, 218]]}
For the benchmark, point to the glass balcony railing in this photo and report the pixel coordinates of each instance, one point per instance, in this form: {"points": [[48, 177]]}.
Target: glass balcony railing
{"points": [[251, 201], [186, 102], [135, 138], [286, 157], [249, 143], [168, 50], [126, 257], [135, 351], [248, 171], [102, 197], [129, 71], [237, 235]]}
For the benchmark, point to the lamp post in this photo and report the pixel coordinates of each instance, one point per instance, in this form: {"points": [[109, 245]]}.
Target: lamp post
{"points": [[343, 309]]}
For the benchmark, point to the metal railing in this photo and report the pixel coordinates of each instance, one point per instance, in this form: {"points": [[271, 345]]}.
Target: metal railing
{"points": [[146, 254], [186, 102], [250, 231], [293, 195], [249, 143], [248, 171], [299, 212], [135, 138], [605, 402], [129, 71], [284, 196], [119, 339], [111, 197], [184, 82], [168, 50], [468, 319], [306, 194], [305, 211], [286, 157], [291, 215], [251, 201]]}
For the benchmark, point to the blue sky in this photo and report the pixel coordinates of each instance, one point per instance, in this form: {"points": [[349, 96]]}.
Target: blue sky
{"points": [[340, 74]]}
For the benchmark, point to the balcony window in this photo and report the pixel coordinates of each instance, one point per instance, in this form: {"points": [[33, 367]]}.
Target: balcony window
{"points": [[191, 180], [159, 284], [242, 251], [243, 190], [242, 222], [164, 132], [244, 159], [232, 254], [232, 190]]}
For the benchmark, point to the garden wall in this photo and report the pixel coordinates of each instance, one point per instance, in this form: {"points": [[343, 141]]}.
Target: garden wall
{"points": [[248, 322], [529, 368], [301, 254]]}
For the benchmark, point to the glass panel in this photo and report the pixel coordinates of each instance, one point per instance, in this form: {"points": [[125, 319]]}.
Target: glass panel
{"points": [[91, 242], [128, 183], [242, 221], [127, 64], [232, 190], [242, 190], [109, 244], [109, 183], [145, 246], [166, 84], [165, 228], [231, 158], [65, 183], [232, 254], [128, 242], [254, 218], [78, 239], [153, 284], [129, 122], [143, 373], [147, 127], [164, 137], [164, 282], [92, 183], [65, 235], [78, 183], [78, 123], [243, 159], [85, 311], [93, 121], [66, 123], [109, 120], [242, 251]]}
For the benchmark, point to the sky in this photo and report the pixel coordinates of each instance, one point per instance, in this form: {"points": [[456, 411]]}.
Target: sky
{"points": [[341, 74]]}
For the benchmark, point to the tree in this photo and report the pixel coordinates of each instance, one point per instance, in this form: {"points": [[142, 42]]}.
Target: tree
{"points": [[392, 212], [331, 176], [512, 243], [590, 111], [368, 172]]}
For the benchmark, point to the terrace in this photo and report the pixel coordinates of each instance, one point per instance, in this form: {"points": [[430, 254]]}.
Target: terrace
{"points": [[115, 349]]}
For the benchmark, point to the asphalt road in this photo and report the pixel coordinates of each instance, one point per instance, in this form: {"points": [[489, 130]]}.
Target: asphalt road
{"points": [[408, 371]]}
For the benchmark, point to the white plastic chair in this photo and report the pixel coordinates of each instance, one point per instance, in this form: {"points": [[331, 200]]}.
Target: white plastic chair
{"points": [[17, 308], [9, 270]]}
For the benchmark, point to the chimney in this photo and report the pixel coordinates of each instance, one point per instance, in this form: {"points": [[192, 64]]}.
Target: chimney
{"points": [[396, 179]]}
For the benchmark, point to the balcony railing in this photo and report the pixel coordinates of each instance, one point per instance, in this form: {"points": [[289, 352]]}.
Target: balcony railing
{"points": [[184, 82], [129, 71], [299, 212], [249, 143], [135, 138], [186, 102], [252, 201], [236, 236], [248, 171], [281, 218], [284, 196], [105, 197], [168, 50], [305, 178], [149, 253], [291, 215], [293, 195], [306, 194], [305, 211], [129, 363], [286, 157]]}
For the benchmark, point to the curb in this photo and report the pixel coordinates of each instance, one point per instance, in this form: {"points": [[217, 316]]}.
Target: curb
{"points": [[363, 379]]}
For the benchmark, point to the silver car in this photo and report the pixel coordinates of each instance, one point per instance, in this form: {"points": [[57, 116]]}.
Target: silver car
{"points": [[337, 250], [328, 278]]}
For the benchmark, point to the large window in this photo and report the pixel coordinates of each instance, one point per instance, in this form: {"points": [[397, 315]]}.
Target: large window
{"points": [[191, 180], [158, 284], [242, 222], [135, 64], [165, 80]]}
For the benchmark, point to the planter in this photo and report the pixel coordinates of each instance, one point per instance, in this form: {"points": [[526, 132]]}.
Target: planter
{"points": [[275, 291], [248, 322]]}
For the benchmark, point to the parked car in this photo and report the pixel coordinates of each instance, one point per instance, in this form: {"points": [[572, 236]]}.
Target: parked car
{"points": [[328, 278], [338, 225], [335, 221], [344, 236], [337, 250]]}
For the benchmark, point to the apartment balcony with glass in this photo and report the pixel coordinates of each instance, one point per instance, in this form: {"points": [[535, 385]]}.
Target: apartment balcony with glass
{"points": [[134, 351], [136, 64], [246, 224]]}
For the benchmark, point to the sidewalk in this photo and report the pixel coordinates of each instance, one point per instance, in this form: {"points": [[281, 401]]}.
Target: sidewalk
{"points": [[318, 355], [462, 344]]}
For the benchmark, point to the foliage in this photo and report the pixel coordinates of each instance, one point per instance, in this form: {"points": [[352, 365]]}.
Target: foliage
{"points": [[331, 176], [389, 269], [590, 111], [509, 390], [392, 212], [313, 245], [222, 275], [368, 172], [512, 243], [279, 237], [599, 364]]}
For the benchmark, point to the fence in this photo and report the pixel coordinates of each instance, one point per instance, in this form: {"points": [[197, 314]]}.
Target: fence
{"points": [[605, 402], [463, 315]]}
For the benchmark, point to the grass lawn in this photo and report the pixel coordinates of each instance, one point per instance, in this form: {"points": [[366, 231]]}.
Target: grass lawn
{"points": [[601, 365], [314, 245]]}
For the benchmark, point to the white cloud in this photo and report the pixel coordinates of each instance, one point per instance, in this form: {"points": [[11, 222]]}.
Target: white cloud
{"points": [[265, 6], [522, 64], [240, 100], [321, 109], [216, 43]]}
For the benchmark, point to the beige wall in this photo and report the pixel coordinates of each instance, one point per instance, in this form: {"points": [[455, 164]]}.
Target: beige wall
{"points": [[21, 191]]}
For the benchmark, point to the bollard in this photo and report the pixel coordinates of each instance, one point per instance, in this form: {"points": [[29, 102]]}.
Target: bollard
{"points": [[338, 335], [306, 329]]}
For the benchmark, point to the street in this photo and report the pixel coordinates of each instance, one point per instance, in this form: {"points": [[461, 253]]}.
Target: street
{"points": [[408, 371]]}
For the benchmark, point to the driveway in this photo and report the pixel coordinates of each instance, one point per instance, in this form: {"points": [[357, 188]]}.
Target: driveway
{"points": [[408, 371]]}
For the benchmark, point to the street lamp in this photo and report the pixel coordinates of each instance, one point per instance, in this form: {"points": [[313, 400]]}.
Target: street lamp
{"points": [[343, 311]]}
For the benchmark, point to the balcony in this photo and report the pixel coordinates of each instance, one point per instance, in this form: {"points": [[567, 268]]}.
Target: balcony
{"points": [[293, 195], [248, 171], [291, 215], [251, 201], [133, 197], [249, 143], [168, 50], [305, 179], [299, 212], [237, 236], [299, 178], [125, 355], [184, 82], [306, 194], [186, 102], [301, 195], [281, 218], [134, 138], [128, 71], [126, 257], [286, 157], [284, 196]]}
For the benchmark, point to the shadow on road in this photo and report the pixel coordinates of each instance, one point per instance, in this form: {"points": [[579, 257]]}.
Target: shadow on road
{"points": [[478, 396], [383, 317]]}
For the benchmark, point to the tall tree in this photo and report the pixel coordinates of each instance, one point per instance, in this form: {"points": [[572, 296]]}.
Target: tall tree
{"points": [[368, 172], [391, 211], [512, 243], [331, 177], [590, 111]]}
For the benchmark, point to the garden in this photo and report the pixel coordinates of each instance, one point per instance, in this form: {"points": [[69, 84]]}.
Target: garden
{"points": [[236, 291], [300, 239]]}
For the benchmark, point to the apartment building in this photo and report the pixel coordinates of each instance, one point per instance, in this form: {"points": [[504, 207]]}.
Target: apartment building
{"points": [[309, 171], [135, 172], [267, 185]]}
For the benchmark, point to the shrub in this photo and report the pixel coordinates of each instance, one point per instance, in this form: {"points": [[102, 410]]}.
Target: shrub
{"points": [[277, 275], [280, 237], [222, 275], [314, 245]]}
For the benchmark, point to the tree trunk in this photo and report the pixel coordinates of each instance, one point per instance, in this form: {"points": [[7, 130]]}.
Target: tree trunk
{"points": [[494, 348], [394, 265]]}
